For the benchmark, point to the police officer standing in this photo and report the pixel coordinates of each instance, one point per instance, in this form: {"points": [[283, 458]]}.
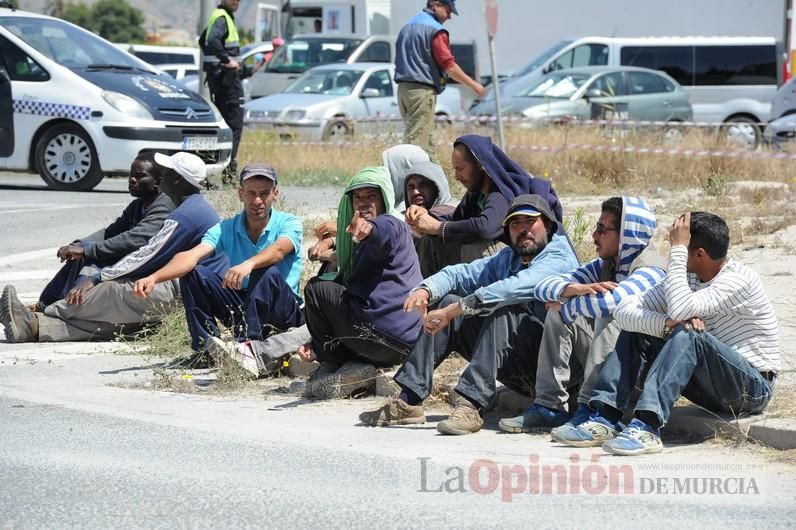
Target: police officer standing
{"points": [[221, 47], [423, 62]]}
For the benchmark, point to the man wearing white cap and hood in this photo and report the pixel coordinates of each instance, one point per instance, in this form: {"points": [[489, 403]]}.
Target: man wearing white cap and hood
{"points": [[108, 307]]}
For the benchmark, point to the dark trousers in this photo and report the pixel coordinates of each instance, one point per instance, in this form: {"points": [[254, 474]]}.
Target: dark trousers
{"points": [[503, 346], [226, 91], [693, 364], [268, 305], [337, 337]]}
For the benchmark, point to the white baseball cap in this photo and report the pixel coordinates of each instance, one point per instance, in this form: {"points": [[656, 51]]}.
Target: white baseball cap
{"points": [[187, 165]]}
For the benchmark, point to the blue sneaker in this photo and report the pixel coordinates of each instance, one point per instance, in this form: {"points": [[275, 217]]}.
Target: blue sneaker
{"points": [[536, 418], [582, 414], [638, 438], [593, 432]]}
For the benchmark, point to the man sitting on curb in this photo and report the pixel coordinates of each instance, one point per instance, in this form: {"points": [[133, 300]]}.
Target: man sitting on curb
{"points": [[106, 305], [139, 221], [579, 331], [355, 316], [709, 333], [259, 293], [487, 312], [474, 230]]}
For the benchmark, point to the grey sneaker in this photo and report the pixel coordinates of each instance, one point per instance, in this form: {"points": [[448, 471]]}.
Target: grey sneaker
{"points": [[465, 419], [352, 377], [394, 412], [21, 324]]}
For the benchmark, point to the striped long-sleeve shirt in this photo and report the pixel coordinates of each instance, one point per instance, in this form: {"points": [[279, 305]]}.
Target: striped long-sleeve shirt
{"points": [[733, 305], [635, 269]]}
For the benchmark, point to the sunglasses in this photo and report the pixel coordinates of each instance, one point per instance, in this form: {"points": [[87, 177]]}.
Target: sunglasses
{"points": [[601, 229]]}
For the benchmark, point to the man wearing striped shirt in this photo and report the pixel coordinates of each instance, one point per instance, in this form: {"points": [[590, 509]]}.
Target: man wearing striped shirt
{"points": [[579, 331], [710, 331]]}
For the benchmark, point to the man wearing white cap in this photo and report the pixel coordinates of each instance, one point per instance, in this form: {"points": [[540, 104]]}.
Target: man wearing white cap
{"points": [[260, 292], [110, 307]]}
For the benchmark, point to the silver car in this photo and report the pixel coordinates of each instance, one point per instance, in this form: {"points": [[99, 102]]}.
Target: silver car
{"points": [[332, 101], [601, 92]]}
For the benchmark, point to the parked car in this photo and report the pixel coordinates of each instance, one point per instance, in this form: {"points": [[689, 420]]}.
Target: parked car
{"points": [[781, 131], [602, 93], [325, 103], [73, 107], [158, 55], [785, 100], [729, 79], [306, 51]]}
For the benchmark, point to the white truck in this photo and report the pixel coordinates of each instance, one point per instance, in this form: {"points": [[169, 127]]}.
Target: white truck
{"points": [[295, 17]]}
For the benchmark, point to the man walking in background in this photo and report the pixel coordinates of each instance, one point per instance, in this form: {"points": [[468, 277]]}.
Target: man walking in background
{"points": [[423, 63]]}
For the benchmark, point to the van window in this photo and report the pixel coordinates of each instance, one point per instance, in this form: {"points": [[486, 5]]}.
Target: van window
{"points": [[19, 65], [583, 55], [299, 54], [378, 52], [736, 65], [465, 58], [639, 83], [677, 61], [540, 59]]}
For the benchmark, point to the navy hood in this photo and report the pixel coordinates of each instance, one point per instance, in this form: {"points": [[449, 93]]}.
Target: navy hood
{"points": [[508, 176]]}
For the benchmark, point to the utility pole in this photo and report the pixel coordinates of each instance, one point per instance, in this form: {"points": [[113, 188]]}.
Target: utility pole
{"points": [[205, 8]]}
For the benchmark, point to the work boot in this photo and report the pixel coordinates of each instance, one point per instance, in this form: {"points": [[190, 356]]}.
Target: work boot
{"points": [[465, 419], [395, 412], [352, 377], [21, 324]]}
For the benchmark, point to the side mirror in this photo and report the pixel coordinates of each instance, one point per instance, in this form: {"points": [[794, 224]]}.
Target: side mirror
{"points": [[593, 93], [370, 93]]}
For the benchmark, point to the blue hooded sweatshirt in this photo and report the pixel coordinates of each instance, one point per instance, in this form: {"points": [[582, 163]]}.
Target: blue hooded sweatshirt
{"points": [[639, 268], [475, 219]]}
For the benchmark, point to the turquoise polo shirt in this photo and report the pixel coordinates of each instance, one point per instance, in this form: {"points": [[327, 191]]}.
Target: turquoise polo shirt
{"points": [[229, 237]]}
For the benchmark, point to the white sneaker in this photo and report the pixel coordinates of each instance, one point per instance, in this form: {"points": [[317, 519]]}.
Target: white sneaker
{"points": [[240, 353]]}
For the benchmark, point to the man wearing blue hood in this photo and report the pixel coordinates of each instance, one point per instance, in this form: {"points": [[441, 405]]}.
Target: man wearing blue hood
{"points": [[474, 229], [580, 331], [486, 311]]}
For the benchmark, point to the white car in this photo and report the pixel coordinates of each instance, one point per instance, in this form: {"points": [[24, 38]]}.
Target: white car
{"points": [[332, 101], [73, 107]]}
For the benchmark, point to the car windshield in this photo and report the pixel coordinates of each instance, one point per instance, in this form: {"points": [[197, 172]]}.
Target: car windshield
{"points": [[300, 54], [67, 45], [556, 86], [539, 60], [327, 82]]}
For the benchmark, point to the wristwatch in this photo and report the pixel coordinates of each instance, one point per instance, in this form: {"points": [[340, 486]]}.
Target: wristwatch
{"points": [[667, 330]]}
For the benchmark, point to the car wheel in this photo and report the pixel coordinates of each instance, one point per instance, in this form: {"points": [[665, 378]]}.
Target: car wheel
{"points": [[338, 130], [66, 159], [673, 134], [742, 132], [442, 121]]}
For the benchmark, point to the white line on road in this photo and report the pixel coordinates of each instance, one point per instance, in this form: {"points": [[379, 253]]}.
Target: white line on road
{"points": [[31, 255], [38, 208]]}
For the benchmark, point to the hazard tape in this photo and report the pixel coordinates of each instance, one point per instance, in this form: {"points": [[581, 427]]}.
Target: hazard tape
{"points": [[484, 120], [666, 151]]}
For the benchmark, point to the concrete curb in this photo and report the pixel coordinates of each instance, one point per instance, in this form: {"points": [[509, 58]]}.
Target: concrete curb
{"points": [[779, 433]]}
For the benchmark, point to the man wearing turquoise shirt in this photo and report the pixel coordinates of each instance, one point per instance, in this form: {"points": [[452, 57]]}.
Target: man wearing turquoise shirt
{"points": [[259, 293]]}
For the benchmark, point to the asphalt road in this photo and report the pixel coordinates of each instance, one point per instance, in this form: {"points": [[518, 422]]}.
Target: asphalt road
{"points": [[82, 448]]}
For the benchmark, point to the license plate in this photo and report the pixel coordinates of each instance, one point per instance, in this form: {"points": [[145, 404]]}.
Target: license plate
{"points": [[200, 143]]}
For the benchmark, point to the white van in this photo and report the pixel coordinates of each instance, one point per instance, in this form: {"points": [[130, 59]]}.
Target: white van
{"points": [[728, 79], [157, 55], [74, 108]]}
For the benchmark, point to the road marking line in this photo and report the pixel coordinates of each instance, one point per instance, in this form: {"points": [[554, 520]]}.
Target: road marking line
{"points": [[32, 255]]}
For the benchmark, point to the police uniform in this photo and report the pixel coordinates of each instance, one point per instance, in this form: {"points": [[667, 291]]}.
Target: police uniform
{"points": [[220, 44]]}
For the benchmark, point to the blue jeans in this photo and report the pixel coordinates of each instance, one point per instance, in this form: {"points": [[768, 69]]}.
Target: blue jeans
{"points": [[694, 364], [268, 305]]}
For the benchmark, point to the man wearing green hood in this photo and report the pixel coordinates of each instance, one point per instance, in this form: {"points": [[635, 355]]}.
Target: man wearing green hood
{"points": [[355, 315]]}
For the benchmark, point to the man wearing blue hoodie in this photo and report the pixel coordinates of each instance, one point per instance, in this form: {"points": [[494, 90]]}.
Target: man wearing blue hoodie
{"points": [[580, 331], [485, 310], [474, 229]]}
